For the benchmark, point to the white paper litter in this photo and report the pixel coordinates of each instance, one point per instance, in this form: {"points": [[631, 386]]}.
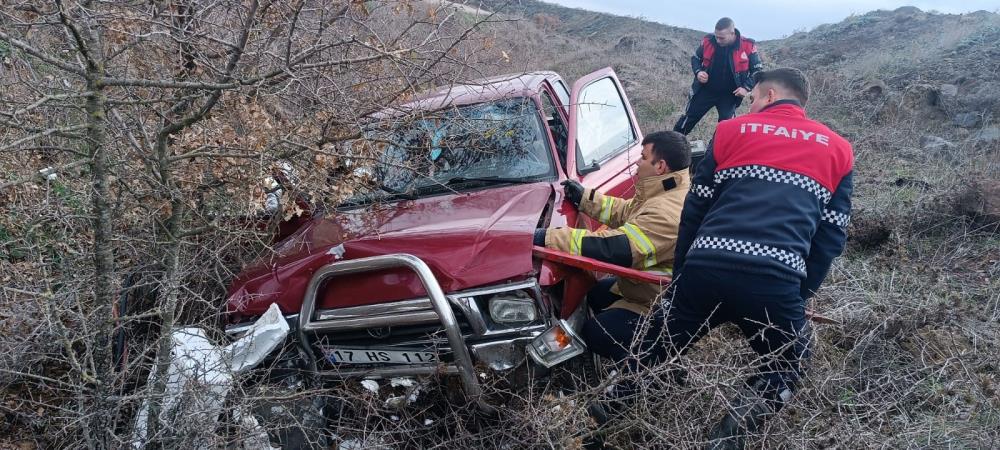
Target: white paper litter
{"points": [[402, 381], [49, 173], [201, 373], [398, 401], [351, 444], [428, 422], [370, 385]]}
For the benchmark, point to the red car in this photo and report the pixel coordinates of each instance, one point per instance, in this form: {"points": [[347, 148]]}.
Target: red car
{"points": [[434, 272]]}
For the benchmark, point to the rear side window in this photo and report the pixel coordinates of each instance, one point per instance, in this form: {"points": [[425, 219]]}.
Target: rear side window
{"points": [[562, 93], [556, 125]]}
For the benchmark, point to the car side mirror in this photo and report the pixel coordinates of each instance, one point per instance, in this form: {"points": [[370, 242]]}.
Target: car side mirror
{"points": [[593, 167]]}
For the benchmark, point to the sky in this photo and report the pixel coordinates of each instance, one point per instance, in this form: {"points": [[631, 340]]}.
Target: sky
{"points": [[765, 19]]}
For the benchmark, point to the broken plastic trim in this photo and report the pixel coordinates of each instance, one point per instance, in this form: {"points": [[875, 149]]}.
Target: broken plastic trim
{"points": [[556, 345]]}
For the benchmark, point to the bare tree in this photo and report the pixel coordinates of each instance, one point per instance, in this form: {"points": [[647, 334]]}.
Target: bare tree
{"points": [[164, 117]]}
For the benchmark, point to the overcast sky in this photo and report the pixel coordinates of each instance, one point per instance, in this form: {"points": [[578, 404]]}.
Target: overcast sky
{"points": [[765, 19]]}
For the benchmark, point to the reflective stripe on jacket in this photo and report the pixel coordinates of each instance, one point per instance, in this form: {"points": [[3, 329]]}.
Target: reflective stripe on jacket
{"points": [[641, 233], [772, 196]]}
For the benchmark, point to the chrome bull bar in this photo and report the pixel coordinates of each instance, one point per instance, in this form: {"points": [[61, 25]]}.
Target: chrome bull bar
{"points": [[440, 303]]}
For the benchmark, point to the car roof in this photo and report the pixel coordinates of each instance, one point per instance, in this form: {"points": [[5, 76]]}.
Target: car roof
{"points": [[487, 89]]}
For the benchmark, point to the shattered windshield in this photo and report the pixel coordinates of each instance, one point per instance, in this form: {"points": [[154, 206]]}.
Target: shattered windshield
{"points": [[450, 150]]}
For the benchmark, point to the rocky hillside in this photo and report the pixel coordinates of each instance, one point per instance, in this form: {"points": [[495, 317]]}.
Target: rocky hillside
{"points": [[944, 65], [934, 67], [651, 59]]}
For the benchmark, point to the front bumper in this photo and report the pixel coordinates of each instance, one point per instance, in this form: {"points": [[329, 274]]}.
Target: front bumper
{"points": [[473, 339]]}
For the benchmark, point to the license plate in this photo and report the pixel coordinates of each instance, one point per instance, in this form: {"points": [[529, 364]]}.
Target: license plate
{"points": [[373, 356]]}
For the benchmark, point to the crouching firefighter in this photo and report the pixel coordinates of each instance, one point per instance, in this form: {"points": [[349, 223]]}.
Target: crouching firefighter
{"points": [[641, 234]]}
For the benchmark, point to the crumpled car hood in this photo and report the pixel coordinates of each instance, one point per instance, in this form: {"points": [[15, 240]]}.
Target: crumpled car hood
{"points": [[468, 239]]}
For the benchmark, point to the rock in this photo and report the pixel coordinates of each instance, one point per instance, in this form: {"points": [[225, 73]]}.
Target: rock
{"points": [[935, 143], [980, 201], [868, 232], [966, 120], [874, 89], [912, 182], [918, 96], [626, 44], [948, 90], [916, 101], [989, 135]]}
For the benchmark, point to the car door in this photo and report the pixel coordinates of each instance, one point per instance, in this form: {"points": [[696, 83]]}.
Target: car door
{"points": [[604, 136]]}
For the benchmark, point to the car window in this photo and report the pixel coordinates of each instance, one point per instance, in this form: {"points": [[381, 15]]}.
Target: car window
{"points": [[603, 124], [556, 125], [502, 139], [562, 93]]}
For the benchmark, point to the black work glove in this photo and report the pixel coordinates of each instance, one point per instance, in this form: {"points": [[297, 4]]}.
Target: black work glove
{"points": [[574, 191], [539, 238]]}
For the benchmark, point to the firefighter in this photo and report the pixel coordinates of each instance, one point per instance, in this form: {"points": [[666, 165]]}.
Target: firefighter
{"points": [[724, 65], [766, 215], [641, 234]]}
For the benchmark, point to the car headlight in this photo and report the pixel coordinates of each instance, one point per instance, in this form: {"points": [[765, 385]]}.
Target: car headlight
{"points": [[509, 308]]}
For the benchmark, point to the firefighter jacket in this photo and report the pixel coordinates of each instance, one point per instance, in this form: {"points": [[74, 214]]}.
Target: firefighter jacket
{"points": [[641, 234], [772, 196], [745, 60]]}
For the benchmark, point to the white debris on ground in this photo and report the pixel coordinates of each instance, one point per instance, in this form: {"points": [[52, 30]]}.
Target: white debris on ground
{"points": [[351, 444], [49, 173], [427, 422], [201, 374], [361, 444], [370, 385], [402, 381], [398, 401], [411, 395], [395, 402]]}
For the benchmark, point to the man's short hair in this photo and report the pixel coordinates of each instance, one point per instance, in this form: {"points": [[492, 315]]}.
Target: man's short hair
{"points": [[671, 147], [724, 23], [791, 79]]}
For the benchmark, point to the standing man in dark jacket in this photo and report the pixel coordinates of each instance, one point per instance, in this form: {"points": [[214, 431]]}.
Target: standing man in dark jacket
{"points": [[766, 215], [724, 65]]}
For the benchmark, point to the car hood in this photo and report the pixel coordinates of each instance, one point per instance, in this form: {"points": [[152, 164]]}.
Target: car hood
{"points": [[467, 239]]}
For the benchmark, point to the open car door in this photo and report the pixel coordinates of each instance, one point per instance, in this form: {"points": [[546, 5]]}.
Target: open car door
{"points": [[604, 136]]}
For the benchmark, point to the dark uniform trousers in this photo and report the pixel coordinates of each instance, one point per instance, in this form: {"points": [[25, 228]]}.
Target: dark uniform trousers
{"points": [[702, 101], [611, 331], [768, 310]]}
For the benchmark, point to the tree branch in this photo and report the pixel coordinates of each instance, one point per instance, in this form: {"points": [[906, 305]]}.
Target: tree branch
{"points": [[64, 131], [40, 55], [279, 73]]}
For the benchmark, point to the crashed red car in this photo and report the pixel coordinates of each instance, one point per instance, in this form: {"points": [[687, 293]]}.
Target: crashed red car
{"points": [[435, 272]]}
